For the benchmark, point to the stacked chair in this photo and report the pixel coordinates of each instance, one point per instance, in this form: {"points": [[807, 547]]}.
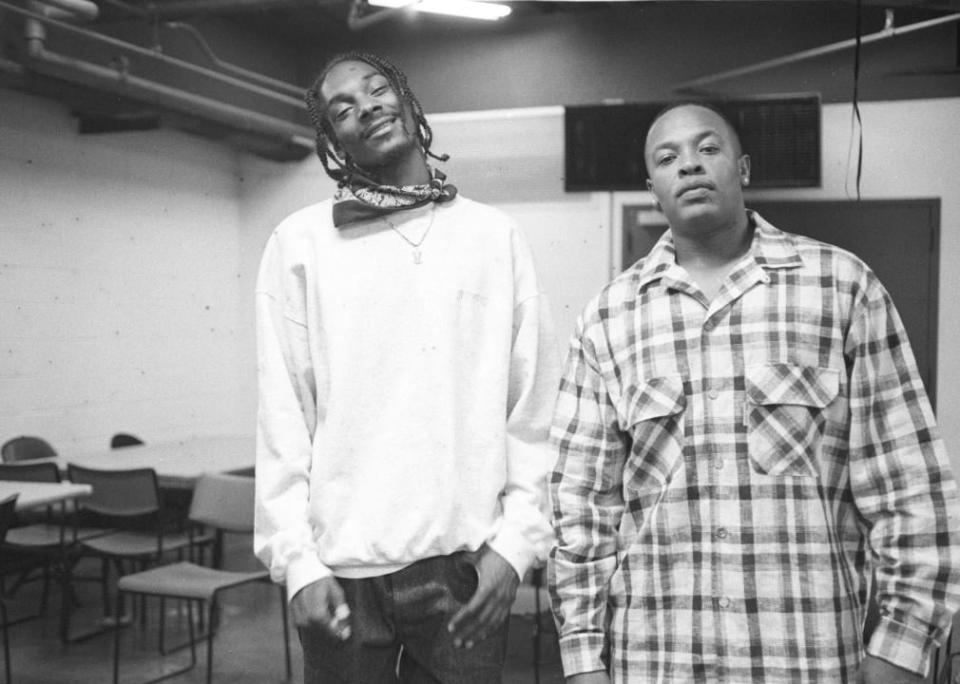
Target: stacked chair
{"points": [[6, 519], [26, 449], [126, 506], [47, 545]]}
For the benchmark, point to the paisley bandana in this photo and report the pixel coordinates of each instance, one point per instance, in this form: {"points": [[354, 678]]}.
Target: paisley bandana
{"points": [[361, 201]]}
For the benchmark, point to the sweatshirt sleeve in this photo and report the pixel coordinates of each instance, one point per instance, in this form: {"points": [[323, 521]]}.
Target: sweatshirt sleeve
{"points": [[286, 422], [525, 536]]}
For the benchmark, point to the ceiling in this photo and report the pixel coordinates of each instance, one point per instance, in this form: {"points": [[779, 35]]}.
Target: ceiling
{"points": [[310, 21], [75, 62]]}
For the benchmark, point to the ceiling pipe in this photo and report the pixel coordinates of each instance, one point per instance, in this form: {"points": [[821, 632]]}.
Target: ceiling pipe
{"points": [[121, 82], [160, 57], [283, 86], [77, 9], [888, 31], [188, 7]]}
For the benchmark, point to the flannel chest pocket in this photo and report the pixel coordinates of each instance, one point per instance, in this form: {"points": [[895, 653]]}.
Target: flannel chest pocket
{"points": [[786, 416], [654, 420]]}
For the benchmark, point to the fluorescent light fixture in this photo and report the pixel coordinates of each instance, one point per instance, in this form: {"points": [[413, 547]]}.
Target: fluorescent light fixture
{"points": [[474, 9]]}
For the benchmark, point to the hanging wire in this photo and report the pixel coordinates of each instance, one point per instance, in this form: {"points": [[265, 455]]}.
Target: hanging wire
{"points": [[856, 123]]}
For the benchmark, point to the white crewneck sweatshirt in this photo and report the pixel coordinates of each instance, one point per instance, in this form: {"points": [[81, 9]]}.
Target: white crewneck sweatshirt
{"points": [[404, 408]]}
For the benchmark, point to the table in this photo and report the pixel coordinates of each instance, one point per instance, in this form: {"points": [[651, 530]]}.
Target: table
{"points": [[34, 494], [179, 462]]}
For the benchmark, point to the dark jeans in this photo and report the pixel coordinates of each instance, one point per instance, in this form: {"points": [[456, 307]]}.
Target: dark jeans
{"points": [[398, 625]]}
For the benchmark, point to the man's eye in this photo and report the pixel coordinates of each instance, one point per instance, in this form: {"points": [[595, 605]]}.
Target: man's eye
{"points": [[341, 114], [709, 149], [380, 90], [665, 159]]}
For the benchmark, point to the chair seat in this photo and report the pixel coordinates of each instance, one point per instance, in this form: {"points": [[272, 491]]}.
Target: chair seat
{"points": [[186, 580], [132, 544], [42, 535]]}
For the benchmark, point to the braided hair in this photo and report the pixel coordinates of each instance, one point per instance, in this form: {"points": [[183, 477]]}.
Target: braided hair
{"points": [[345, 171]]}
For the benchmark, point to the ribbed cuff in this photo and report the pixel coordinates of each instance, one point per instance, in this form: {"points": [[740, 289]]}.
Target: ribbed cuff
{"points": [[515, 549], [304, 570]]}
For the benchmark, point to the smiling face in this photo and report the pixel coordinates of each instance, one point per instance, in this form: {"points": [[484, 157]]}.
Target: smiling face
{"points": [[371, 124], [697, 171]]}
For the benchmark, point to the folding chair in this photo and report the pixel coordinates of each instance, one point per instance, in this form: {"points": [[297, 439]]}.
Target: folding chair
{"points": [[226, 504], [25, 449], [47, 544], [128, 502]]}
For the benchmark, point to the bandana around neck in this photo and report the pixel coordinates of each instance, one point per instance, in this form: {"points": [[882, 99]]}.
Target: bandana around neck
{"points": [[361, 201]]}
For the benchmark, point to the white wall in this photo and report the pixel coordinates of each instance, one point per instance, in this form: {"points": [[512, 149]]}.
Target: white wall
{"points": [[127, 262], [119, 281]]}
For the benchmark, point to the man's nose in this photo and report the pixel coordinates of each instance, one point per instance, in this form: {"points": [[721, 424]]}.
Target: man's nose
{"points": [[690, 163], [367, 106]]}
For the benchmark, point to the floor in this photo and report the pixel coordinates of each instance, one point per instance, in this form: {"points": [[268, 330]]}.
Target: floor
{"points": [[248, 648]]}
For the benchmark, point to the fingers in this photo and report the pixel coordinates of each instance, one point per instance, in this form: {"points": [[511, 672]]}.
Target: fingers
{"points": [[483, 615], [321, 605], [489, 606]]}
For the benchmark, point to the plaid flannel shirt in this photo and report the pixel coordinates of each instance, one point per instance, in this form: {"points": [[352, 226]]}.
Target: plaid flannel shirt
{"points": [[731, 471]]}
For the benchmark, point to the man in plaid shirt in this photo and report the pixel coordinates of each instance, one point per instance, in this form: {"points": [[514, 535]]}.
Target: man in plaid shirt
{"points": [[743, 440]]}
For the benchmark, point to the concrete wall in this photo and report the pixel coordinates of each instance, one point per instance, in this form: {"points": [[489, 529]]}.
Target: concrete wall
{"points": [[119, 282]]}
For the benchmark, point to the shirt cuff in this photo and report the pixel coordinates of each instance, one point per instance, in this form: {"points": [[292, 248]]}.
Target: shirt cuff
{"points": [[515, 549], [582, 652], [901, 645], [303, 570]]}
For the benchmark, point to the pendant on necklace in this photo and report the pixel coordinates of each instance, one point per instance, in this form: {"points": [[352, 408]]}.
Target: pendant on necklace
{"points": [[416, 257]]}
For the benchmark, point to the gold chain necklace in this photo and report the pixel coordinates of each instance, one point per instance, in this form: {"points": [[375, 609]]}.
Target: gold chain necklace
{"points": [[417, 254]]}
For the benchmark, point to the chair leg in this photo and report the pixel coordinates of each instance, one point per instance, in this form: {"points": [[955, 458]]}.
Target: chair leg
{"points": [[6, 642], [163, 624], [210, 617], [286, 631], [116, 642]]}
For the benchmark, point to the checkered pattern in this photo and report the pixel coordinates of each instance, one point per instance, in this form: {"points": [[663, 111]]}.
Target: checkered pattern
{"points": [[730, 472]]}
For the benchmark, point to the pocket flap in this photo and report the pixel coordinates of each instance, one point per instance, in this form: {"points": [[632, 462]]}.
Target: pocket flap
{"points": [[786, 383], [656, 398]]}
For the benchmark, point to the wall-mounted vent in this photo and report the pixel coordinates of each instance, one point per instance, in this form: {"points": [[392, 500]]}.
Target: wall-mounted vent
{"points": [[604, 143]]}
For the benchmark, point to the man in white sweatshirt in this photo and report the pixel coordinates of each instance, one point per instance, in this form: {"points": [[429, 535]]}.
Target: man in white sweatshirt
{"points": [[407, 376]]}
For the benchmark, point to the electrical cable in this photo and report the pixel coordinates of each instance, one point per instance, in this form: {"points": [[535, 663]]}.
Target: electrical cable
{"points": [[856, 122]]}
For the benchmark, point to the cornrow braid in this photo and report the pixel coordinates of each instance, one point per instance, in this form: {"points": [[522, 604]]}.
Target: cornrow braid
{"points": [[344, 170]]}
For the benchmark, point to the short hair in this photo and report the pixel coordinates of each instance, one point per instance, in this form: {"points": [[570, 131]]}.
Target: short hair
{"points": [[715, 108], [343, 170]]}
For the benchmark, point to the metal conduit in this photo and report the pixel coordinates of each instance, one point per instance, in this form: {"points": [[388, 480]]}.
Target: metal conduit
{"points": [[81, 9], [160, 57], [121, 83], [226, 66], [184, 7], [887, 32]]}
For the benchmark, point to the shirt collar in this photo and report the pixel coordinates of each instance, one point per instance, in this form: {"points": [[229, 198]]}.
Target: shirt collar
{"points": [[770, 249]]}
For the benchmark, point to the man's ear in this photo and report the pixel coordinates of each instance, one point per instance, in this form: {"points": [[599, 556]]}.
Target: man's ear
{"points": [[744, 163], [656, 203], [337, 150]]}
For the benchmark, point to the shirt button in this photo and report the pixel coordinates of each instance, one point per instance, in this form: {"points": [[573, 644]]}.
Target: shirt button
{"points": [[722, 533], [713, 394], [718, 463], [724, 602]]}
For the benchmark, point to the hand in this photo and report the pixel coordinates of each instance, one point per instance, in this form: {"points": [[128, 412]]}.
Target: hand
{"points": [[598, 677], [490, 604], [321, 604], [876, 671]]}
